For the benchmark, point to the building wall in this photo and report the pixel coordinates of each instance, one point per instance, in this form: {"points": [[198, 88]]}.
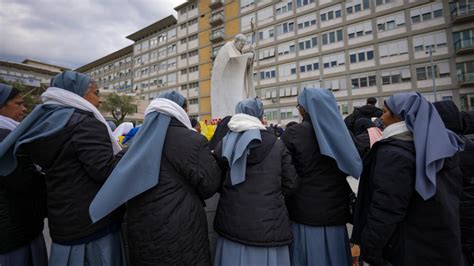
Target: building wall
{"points": [[27, 77], [114, 75]]}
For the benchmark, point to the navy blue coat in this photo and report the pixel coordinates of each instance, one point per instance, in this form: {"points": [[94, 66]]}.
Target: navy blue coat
{"points": [[393, 222]]}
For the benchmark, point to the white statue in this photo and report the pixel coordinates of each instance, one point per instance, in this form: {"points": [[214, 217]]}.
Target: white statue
{"points": [[231, 78]]}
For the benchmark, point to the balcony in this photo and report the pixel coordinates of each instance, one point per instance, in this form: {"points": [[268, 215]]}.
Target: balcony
{"points": [[464, 46], [216, 4], [216, 19], [463, 13], [466, 79], [217, 36]]}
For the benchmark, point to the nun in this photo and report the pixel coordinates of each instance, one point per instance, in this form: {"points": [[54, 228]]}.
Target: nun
{"points": [[324, 155], [407, 210], [165, 176], [22, 196], [251, 218], [72, 144]]}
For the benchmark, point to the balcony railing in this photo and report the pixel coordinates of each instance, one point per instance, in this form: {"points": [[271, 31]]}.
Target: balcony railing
{"points": [[461, 13], [216, 36], [464, 46], [466, 79], [216, 19], [216, 4]]}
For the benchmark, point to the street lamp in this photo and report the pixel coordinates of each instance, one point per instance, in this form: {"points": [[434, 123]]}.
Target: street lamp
{"points": [[430, 52]]}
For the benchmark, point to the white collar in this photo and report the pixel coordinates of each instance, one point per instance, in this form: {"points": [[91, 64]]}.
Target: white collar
{"points": [[394, 129], [8, 123], [244, 122]]}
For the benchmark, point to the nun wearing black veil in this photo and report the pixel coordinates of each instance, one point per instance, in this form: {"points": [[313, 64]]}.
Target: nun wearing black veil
{"points": [[251, 218], [165, 176]]}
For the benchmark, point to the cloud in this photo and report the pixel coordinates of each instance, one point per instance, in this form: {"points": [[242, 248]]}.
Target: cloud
{"points": [[73, 33]]}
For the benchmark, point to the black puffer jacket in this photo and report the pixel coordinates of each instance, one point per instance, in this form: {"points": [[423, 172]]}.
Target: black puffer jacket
{"points": [[366, 111], [323, 194], [167, 224], [254, 212], [467, 200], [76, 161], [22, 204], [393, 222]]}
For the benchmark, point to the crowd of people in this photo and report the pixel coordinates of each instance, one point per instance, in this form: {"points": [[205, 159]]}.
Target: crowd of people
{"points": [[284, 195]]}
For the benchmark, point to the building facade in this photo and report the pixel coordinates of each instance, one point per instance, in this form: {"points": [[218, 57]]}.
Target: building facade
{"points": [[112, 72], [33, 74], [356, 48]]}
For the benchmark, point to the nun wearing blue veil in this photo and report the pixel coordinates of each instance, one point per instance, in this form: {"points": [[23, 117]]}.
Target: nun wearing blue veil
{"points": [[251, 218], [408, 201], [71, 142], [165, 176], [324, 155]]}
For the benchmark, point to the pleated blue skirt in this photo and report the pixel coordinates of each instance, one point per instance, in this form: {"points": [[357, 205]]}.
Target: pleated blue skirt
{"points": [[230, 253], [105, 251], [320, 246], [34, 252]]}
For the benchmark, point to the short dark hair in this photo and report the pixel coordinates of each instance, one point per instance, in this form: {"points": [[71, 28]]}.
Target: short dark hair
{"points": [[15, 92], [290, 124], [185, 103], [194, 122], [371, 100]]}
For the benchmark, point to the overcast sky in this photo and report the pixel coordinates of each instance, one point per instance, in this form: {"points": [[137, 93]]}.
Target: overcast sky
{"points": [[71, 33]]}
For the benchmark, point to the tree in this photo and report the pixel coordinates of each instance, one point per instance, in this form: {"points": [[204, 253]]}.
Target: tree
{"points": [[119, 106]]}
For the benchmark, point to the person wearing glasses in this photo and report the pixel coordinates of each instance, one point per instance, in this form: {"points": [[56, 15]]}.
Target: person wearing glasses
{"points": [[324, 155], [72, 145]]}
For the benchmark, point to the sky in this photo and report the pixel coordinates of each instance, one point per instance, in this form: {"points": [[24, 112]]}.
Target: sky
{"points": [[72, 33]]}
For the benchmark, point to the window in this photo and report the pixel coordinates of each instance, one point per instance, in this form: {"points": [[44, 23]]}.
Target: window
{"points": [[332, 37], [356, 6], [267, 74], [193, 101], [306, 21], [302, 3], [161, 38], [172, 63], [192, 22], [288, 92], [282, 8], [193, 53], [309, 65], [433, 40], [465, 71], [193, 85], [265, 13], [331, 13], [286, 48], [266, 53], [396, 48], [192, 37], [395, 76], [285, 27], [184, 71], [193, 69], [183, 41], [184, 56], [246, 3], [265, 34], [441, 70], [192, 6], [171, 34], [427, 12], [171, 49], [245, 21], [287, 70], [368, 80], [307, 43], [334, 60], [153, 42], [463, 39], [182, 26], [359, 30], [391, 22]]}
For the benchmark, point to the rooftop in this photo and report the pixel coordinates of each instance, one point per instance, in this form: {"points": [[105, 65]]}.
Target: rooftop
{"points": [[155, 27], [106, 59]]}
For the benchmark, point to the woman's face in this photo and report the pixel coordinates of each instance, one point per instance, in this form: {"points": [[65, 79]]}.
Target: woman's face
{"points": [[92, 95], [388, 118], [14, 109]]}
